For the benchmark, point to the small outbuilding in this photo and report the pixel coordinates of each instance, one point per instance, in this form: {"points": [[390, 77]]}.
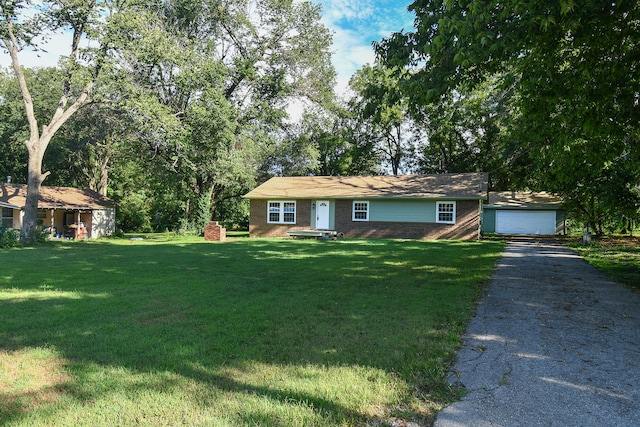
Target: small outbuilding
{"points": [[438, 206], [519, 212], [65, 211]]}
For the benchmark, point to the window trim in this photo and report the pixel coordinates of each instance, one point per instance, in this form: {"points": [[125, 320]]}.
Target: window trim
{"points": [[367, 211], [281, 212], [453, 213]]}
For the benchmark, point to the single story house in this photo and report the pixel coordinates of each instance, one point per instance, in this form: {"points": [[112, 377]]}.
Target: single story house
{"points": [[68, 212], [441, 206], [513, 212]]}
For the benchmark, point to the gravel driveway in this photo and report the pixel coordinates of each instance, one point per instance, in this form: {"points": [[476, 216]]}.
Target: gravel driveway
{"points": [[554, 343]]}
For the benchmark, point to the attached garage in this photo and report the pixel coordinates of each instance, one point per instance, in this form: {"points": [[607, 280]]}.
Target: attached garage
{"points": [[510, 212]]}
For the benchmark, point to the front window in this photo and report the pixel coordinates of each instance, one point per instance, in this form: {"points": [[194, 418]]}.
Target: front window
{"points": [[446, 212], [281, 212], [6, 221], [360, 211]]}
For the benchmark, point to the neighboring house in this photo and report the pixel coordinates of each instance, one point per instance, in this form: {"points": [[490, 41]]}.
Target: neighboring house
{"points": [[410, 206], [512, 212], [62, 209]]}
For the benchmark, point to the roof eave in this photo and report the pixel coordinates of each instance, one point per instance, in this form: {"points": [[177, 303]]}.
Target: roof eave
{"points": [[539, 207], [9, 205], [349, 197]]}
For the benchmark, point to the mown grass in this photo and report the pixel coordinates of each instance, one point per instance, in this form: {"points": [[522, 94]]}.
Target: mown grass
{"points": [[619, 257], [252, 332]]}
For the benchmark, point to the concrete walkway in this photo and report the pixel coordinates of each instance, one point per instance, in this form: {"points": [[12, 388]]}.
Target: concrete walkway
{"points": [[554, 343]]}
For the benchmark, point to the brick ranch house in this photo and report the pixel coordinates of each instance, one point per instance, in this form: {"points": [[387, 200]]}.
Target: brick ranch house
{"points": [[439, 206], [61, 210]]}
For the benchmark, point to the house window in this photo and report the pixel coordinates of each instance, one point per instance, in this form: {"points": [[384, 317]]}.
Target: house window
{"points": [[7, 218], [360, 211], [281, 212], [42, 216], [446, 212]]}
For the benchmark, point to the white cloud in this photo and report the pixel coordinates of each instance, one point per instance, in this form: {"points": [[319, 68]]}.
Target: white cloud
{"points": [[351, 52], [355, 25], [337, 10]]}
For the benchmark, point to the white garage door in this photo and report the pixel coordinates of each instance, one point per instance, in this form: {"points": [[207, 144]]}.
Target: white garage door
{"points": [[526, 222]]}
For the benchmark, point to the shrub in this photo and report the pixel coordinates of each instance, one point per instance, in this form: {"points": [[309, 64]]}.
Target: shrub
{"points": [[42, 235], [9, 237]]}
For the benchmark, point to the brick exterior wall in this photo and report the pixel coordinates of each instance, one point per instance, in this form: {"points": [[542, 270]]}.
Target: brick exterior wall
{"points": [[258, 226], [466, 227]]}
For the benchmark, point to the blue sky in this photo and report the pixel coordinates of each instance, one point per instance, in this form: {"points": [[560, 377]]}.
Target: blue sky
{"points": [[355, 25]]}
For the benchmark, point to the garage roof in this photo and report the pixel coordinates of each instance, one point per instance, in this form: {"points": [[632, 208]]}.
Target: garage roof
{"points": [[523, 200], [15, 195], [437, 186]]}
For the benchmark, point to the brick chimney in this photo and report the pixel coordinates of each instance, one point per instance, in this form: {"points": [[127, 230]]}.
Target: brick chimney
{"points": [[215, 232]]}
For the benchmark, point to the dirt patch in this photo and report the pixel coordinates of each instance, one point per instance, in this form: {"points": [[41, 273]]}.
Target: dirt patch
{"points": [[30, 379], [618, 242]]}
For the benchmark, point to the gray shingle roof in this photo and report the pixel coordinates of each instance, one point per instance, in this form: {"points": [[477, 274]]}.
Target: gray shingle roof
{"points": [[436, 186]]}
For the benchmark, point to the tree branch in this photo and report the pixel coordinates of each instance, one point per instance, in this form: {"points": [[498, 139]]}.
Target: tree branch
{"points": [[12, 46]]}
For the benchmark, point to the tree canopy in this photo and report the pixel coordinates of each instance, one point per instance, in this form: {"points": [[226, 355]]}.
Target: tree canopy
{"points": [[573, 72], [196, 94], [176, 108]]}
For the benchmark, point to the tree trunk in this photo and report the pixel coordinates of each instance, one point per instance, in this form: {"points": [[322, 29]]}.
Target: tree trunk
{"points": [[30, 219], [36, 148], [95, 167], [104, 176]]}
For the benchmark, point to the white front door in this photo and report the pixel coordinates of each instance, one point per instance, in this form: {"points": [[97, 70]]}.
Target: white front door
{"points": [[322, 214]]}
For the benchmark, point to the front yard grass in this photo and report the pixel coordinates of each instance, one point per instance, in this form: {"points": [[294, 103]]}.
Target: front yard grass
{"points": [[619, 257], [253, 332]]}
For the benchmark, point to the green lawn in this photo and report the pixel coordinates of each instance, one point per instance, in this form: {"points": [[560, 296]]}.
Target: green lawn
{"points": [[619, 257], [251, 332]]}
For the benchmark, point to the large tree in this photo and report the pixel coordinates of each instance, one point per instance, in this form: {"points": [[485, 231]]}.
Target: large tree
{"points": [[470, 130], [383, 113], [228, 75], [203, 87], [573, 66], [22, 25]]}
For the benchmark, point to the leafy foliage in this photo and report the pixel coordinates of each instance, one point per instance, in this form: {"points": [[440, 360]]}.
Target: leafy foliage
{"points": [[225, 77], [383, 114], [9, 237], [194, 92], [573, 73]]}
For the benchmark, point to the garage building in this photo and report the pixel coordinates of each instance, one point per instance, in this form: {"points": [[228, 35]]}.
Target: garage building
{"points": [[512, 212]]}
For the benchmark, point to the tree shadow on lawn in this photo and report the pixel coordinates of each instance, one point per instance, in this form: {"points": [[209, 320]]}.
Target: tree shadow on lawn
{"points": [[167, 309]]}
